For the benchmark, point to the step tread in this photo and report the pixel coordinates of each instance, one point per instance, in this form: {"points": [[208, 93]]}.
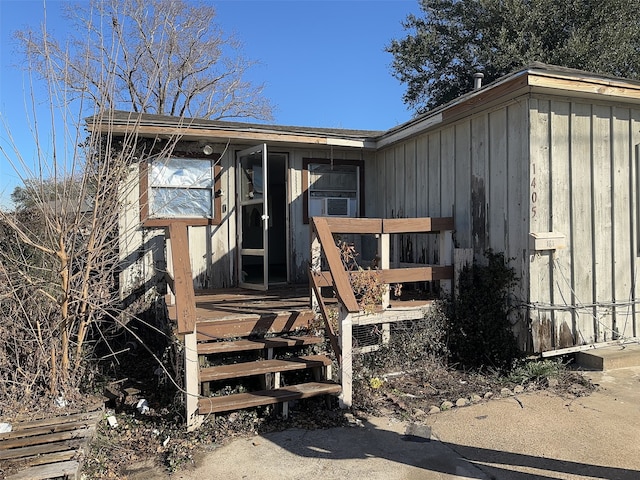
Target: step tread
{"points": [[240, 401], [258, 367], [247, 344]]}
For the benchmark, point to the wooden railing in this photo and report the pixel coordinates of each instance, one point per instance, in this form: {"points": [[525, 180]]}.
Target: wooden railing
{"points": [[322, 242]]}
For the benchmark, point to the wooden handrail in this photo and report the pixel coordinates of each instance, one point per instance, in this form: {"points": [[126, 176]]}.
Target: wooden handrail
{"points": [[182, 277], [427, 273], [330, 331], [340, 278]]}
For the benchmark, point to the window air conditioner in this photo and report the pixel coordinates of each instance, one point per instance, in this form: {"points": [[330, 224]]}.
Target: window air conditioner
{"points": [[336, 207]]}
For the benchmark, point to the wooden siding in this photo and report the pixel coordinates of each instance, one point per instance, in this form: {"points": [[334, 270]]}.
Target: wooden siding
{"points": [[213, 247], [583, 185], [474, 170]]}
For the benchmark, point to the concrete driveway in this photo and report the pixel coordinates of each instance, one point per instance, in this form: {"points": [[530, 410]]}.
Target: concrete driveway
{"points": [[543, 436]]}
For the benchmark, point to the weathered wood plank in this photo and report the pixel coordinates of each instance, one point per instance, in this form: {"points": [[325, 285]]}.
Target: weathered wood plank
{"points": [[248, 344], [258, 325], [623, 208], [415, 273], [44, 459], [343, 287], [462, 198], [260, 367], [32, 450], [354, 225], [46, 429], [183, 277], [266, 397], [25, 424], [433, 194], [45, 472], [497, 197], [602, 220], [391, 315], [42, 439], [479, 182], [560, 218], [517, 217], [330, 331], [581, 221], [417, 225]]}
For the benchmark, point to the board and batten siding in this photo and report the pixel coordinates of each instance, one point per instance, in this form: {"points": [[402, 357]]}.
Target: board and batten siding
{"points": [[213, 248], [583, 185], [475, 170]]}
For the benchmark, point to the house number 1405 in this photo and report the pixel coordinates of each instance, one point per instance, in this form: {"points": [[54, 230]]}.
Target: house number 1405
{"points": [[534, 193]]}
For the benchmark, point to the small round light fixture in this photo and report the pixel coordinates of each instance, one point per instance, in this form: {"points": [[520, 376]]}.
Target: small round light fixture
{"points": [[207, 150]]}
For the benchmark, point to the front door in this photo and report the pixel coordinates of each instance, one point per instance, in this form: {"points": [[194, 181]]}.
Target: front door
{"points": [[262, 215]]}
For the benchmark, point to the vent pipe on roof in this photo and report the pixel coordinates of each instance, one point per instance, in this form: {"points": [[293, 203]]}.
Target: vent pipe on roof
{"points": [[477, 80]]}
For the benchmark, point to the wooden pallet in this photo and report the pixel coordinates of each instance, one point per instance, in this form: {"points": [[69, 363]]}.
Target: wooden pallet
{"points": [[47, 448]]}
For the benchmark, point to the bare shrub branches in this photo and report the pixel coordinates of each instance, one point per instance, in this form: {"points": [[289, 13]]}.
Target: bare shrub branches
{"points": [[60, 264]]}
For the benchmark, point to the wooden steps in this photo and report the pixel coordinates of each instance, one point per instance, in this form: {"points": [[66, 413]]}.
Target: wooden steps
{"points": [[266, 370], [253, 326], [261, 367], [247, 344], [240, 401]]}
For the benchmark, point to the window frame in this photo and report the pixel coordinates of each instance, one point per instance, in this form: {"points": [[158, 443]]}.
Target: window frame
{"points": [[148, 221], [325, 161]]}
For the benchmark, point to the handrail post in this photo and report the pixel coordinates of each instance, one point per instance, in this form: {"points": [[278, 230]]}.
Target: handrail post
{"points": [[315, 263], [185, 298], [384, 253], [345, 335]]}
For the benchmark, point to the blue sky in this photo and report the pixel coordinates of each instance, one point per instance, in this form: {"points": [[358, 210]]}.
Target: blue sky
{"points": [[322, 61]]}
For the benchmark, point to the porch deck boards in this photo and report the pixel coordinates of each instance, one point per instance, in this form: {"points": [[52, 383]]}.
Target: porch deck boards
{"points": [[237, 312]]}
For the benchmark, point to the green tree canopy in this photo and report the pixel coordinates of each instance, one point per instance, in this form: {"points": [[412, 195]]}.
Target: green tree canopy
{"points": [[453, 39]]}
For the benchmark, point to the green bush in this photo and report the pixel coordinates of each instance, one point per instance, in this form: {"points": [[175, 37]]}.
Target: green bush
{"points": [[479, 331]]}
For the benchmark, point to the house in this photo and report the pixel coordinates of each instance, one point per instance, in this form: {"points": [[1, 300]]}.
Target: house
{"points": [[541, 164]]}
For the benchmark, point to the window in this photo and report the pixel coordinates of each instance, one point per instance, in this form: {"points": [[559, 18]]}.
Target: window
{"points": [[179, 188], [332, 188]]}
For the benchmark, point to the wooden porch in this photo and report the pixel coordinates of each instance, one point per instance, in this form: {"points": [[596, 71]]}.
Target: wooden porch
{"points": [[277, 341]]}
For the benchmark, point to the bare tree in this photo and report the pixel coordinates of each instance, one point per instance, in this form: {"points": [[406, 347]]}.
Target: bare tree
{"points": [[59, 259], [164, 57]]}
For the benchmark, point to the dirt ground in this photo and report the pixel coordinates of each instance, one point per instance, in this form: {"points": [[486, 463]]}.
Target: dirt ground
{"points": [[534, 435]]}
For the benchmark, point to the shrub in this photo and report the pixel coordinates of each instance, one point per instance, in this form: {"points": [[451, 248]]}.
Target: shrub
{"points": [[479, 330]]}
